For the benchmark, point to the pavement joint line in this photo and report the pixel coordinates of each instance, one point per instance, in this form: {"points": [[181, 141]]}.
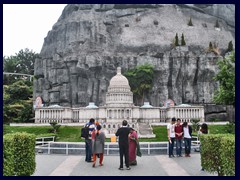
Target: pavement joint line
{"points": [[66, 167]]}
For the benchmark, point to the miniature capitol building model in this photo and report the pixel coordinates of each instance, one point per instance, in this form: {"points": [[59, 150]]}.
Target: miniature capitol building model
{"points": [[119, 106]]}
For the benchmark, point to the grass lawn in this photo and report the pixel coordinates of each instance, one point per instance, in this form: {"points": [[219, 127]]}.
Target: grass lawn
{"points": [[72, 133]]}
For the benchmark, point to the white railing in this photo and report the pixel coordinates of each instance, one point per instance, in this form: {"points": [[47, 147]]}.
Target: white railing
{"points": [[195, 143], [43, 140], [107, 147], [143, 146]]}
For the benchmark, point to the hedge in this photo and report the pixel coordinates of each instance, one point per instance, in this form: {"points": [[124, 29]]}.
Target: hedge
{"points": [[19, 154], [218, 154]]}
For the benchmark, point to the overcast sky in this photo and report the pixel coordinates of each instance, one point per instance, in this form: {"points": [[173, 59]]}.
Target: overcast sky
{"points": [[26, 25]]}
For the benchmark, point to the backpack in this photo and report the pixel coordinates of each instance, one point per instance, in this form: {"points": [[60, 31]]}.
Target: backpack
{"points": [[85, 132]]}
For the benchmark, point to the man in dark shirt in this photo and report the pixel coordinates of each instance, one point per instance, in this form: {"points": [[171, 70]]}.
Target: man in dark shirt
{"points": [[123, 133]]}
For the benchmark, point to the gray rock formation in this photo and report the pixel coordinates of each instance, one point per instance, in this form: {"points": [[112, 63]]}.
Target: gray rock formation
{"points": [[82, 51]]}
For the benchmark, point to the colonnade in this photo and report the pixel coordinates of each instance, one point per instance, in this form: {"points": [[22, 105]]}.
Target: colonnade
{"points": [[119, 113]]}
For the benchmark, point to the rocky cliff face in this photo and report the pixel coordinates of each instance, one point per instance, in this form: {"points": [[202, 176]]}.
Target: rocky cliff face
{"points": [[84, 48]]}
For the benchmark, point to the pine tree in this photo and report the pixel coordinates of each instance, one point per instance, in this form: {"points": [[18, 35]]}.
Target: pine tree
{"points": [[176, 40], [230, 46], [217, 24], [210, 46], [183, 43], [190, 22]]}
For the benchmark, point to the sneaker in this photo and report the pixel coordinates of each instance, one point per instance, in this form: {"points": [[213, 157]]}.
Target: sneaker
{"points": [[100, 164], [128, 168], [93, 165], [173, 156], [120, 168]]}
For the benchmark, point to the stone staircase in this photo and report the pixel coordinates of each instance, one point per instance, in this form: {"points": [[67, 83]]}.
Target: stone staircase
{"points": [[145, 131]]}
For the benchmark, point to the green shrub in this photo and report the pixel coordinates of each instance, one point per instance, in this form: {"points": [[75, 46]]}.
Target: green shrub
{"points": [[18, 154], [218, 153], [230, 127], [8, 155], [55, 126], [195, 124]]}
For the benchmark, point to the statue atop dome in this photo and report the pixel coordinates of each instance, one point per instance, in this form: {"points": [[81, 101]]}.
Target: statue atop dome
{"points": [[119, 70]]}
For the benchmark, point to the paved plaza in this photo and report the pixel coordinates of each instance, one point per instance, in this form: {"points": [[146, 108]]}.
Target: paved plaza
{"points": [[158, 165]]}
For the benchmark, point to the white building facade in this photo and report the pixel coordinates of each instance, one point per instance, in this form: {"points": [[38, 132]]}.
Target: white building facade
{"points": [[119, 106]]}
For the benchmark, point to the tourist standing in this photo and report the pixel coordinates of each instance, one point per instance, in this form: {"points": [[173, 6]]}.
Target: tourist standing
{"points": [[187, 134], [203, 130], [133, 140], [123, 143], [88, 140], [98, 145], [179, 134], [171, 137]]}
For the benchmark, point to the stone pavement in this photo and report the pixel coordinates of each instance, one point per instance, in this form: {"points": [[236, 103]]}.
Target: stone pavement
{"points": [[158, 165]]}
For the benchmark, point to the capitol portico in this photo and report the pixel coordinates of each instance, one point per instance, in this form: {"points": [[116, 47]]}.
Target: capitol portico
{"points": [[119, 106]]}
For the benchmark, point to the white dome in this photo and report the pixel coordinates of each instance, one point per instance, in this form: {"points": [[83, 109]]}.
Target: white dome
{"points": [[119, 80], [119, 92]]}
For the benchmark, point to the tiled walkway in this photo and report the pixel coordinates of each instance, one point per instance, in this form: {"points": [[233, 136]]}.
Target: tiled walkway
{"points": [[160, 165]]}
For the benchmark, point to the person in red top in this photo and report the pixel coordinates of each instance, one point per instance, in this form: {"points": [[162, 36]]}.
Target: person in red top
{"points": [[178, 133]]}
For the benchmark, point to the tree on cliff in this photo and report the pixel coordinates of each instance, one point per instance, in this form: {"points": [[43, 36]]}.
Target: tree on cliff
{"points": [[176, 40], [230, 46], [183, 43], [190, 22], [140, 80], [226, 77]]}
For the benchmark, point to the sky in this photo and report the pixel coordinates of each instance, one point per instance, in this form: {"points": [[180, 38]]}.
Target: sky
{"points": [[26, 25]]}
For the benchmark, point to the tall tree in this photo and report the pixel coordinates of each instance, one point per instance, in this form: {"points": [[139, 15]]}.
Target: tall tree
{"points": [[226, 77], [140, 80], [21, 62], [176, 40], [183, 43], [190, 22]]}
